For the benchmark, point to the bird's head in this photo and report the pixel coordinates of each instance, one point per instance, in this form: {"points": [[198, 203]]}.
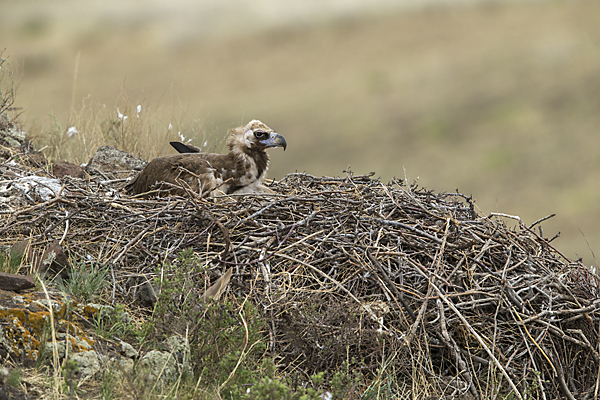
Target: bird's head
{"points": [[255, 136]]}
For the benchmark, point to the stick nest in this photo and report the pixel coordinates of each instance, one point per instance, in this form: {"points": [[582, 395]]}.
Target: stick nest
{"points": [[391, 280]]}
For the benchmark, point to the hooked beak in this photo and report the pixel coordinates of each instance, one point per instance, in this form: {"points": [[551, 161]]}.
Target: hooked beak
{"points": [[275, 140]]}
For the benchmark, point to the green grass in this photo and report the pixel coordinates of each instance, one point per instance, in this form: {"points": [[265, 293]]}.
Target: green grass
{"points": [[87, 282], [9, 263]]}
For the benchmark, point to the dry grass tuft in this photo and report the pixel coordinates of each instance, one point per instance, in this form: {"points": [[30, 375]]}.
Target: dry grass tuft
{"points": [[134, 128]]}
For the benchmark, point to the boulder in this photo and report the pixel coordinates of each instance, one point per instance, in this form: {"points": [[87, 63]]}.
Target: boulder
{"points": [[109, 160]]}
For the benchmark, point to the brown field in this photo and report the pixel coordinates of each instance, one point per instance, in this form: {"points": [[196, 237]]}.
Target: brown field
{"points": [[501, 101]]}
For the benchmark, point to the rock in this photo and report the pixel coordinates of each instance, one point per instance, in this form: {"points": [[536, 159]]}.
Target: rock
{"points": [[21, 250], [180, 349], [55, 261], [158, 364], [147, 294], [61, 169], [110, 160], [127, 350], [24, 318], [89, 363], [15, 282]]}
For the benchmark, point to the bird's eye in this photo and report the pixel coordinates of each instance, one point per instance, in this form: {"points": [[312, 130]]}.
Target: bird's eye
{"points": [[261, 134]]}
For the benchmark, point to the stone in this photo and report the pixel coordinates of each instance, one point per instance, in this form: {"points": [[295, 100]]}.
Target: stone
{"points": [[24, 318], [15, 282], [54, 261], [61, 169], [89, 363], [147, 294], [109, 160], [127, 350], [158, 365]]}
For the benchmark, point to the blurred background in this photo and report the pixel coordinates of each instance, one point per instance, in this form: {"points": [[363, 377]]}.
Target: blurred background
{"points": [[498, 99]]}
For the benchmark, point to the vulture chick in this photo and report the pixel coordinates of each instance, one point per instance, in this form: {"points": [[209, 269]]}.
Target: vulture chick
{"points": [[239, 172]]}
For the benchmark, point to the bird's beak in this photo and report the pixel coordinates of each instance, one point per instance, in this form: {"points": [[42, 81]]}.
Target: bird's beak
{"points": [[275, 140]]}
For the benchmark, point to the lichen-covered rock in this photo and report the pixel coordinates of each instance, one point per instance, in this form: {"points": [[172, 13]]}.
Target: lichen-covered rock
{"points": [[158, 365], [180, 348], [68, 344], [24, 317], [109, 160], [88, 363], [127, 350]]}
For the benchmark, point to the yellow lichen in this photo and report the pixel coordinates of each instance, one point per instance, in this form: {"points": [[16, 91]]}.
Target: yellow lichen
{"points": [[22, 327]]}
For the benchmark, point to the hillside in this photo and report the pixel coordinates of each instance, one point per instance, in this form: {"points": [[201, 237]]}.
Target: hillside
{"points": [[344, 287], [497, 99]]}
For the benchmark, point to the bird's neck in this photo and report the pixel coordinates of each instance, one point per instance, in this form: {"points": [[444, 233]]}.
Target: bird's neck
{"points": [[256, 162]]}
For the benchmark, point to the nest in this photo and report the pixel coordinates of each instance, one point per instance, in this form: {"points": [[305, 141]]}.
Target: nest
{"points": [[390, 280]]}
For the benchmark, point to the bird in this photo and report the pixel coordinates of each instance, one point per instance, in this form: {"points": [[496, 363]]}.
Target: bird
{"points": [[239, 172]]}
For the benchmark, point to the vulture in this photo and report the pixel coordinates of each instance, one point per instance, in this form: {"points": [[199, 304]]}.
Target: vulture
{"points": [[239, 172]]}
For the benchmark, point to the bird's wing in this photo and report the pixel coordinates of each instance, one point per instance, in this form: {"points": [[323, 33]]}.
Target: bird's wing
{"points": [[184, 148], [174, 173]]}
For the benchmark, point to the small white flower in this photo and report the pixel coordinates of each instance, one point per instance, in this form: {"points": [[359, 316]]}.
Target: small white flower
{"points": [[170, 126], [182, 138], [205, 143], [72, 131], [121, 116], [139, 110]]}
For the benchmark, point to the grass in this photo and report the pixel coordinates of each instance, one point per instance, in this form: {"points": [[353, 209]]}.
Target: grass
{"points": [[7, 86], [10, 264], [88, 281]]}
